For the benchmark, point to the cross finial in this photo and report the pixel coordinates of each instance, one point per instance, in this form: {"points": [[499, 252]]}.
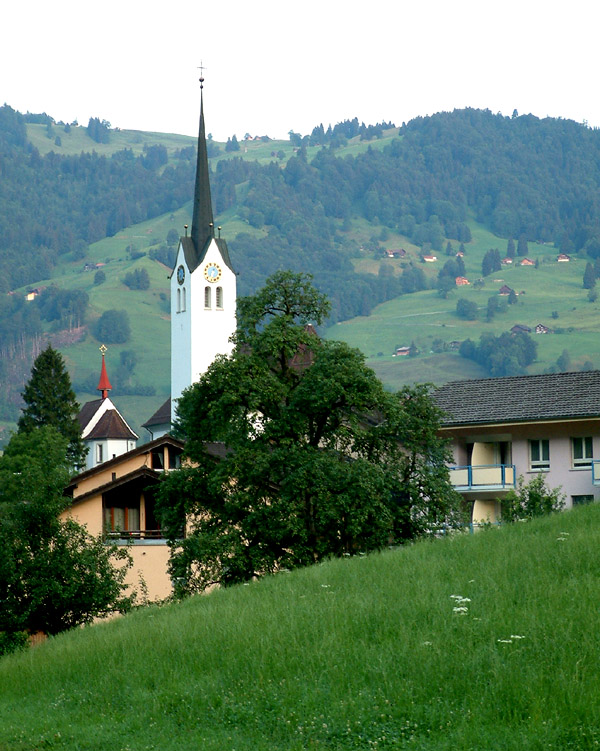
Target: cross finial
{"points": [[103, 349], [201, 68]]}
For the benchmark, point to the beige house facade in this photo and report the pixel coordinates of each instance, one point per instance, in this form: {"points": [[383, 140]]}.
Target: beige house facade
{"points": [[116, 499]]}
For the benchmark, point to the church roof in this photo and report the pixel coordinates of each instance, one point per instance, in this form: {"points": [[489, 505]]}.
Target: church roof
{"points": [[161, 416], [194, 255], [111, 425], [203, 228], [86, 413]]}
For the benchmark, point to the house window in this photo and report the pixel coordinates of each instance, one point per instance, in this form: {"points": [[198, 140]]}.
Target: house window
{"points": [[121, 519], [99, 453], [220, 298], [207, 302], [579, 500], [583, 451], [539, 454]]}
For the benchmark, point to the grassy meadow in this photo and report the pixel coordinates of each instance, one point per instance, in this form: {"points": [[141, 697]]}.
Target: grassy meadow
{"points": [[485, 641]]}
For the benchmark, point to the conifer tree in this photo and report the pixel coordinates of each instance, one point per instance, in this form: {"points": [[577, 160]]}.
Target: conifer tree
{"points": [[589, 276], [50, 400]]}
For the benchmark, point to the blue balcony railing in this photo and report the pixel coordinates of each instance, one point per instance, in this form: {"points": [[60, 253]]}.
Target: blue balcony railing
{"points": [[484, 477]]}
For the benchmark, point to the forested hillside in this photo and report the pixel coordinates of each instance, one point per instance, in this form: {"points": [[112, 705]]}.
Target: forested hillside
{"points": [[334, 203]]}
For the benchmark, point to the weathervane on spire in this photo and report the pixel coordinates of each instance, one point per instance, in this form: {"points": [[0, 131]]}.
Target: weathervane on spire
{"points": [[201, 68]]}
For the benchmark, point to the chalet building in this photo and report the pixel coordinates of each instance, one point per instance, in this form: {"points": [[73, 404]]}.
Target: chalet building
{"points": [[506, 261], [402, 352], [526, 262], [518, 328], [116, 499], [541, 329], [430, 259], [504, 428], [505, 290], [399, 253], [461, 281], [563, 258]]}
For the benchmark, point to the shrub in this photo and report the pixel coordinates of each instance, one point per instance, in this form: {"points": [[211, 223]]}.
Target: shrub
{"points": [[531, 500]]}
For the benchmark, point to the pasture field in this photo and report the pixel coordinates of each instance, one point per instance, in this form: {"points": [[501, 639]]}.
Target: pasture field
{"points": [[484, 641]]}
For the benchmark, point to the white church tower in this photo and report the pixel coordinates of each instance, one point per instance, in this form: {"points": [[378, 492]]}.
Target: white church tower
{"points": [[203, 288]]}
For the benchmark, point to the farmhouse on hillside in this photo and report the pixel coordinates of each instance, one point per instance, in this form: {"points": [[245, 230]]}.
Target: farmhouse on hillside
{"points": [[503, 428]]}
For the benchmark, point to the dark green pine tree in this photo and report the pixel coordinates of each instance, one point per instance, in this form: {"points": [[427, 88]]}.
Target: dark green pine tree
{"points": [[510, 248], [50, 400], [522, 247], [589, 276]]}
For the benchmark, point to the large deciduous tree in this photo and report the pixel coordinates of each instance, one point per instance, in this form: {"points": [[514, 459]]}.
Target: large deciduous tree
{"points": [[314, 458], [50, 401], [53, 574]]}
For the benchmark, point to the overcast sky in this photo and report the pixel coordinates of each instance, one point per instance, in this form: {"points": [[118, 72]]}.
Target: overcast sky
{"points": [[273, 66]]}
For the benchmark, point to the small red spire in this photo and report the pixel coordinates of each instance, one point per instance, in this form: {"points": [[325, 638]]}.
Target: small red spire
{"points": [[104, 384]]}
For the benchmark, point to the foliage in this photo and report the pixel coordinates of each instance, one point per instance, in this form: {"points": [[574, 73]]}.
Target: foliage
{"points": [[491, 262], [319, 460], [137, 279], [98, 130], [504, 355], [50, 401], [53, 574], [531, 499], [99, 277], [66, 307], [113, 327], [466, 309]]}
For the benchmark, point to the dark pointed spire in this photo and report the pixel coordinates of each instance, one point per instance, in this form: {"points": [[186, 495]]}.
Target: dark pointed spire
{"points": [[202, 221]]}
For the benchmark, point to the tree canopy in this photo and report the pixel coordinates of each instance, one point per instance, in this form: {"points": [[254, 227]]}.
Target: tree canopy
{"points": [[315, 458], [50, 401], [53, 574]]}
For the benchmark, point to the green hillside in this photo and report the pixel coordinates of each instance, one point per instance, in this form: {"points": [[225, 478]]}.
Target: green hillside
{"points": [[330, 203], [551, 294], [485, 641]]}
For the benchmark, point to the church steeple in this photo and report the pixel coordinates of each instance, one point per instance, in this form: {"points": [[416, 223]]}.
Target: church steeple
{"points": [[202, 220], [104, 384]]}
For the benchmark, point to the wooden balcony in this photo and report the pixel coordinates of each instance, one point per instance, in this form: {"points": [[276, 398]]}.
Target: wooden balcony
{"points": [[488, 477]]}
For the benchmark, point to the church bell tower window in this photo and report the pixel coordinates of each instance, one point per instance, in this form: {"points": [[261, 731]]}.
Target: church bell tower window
{"points": [[220, 298], [207, 300]]}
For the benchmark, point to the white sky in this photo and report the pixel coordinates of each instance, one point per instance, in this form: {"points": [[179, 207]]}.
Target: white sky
{"points": [[275, 66]]}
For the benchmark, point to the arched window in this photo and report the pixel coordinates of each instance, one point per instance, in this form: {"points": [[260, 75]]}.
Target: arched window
{"points": [[178, 300], [207, 303], [220, 298], [183, 299]]}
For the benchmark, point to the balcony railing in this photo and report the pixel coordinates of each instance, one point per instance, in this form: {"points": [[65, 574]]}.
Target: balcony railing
{"points": [[595, 471], [484, 477]]}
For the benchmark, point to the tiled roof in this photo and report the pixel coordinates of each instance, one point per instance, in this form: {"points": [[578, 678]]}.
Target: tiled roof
{"points": [[87, 412], [161, 416], [520, 398], [111, 425]]}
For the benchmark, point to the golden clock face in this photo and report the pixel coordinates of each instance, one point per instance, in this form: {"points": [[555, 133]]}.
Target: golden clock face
{"points": [[212, 272]]}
